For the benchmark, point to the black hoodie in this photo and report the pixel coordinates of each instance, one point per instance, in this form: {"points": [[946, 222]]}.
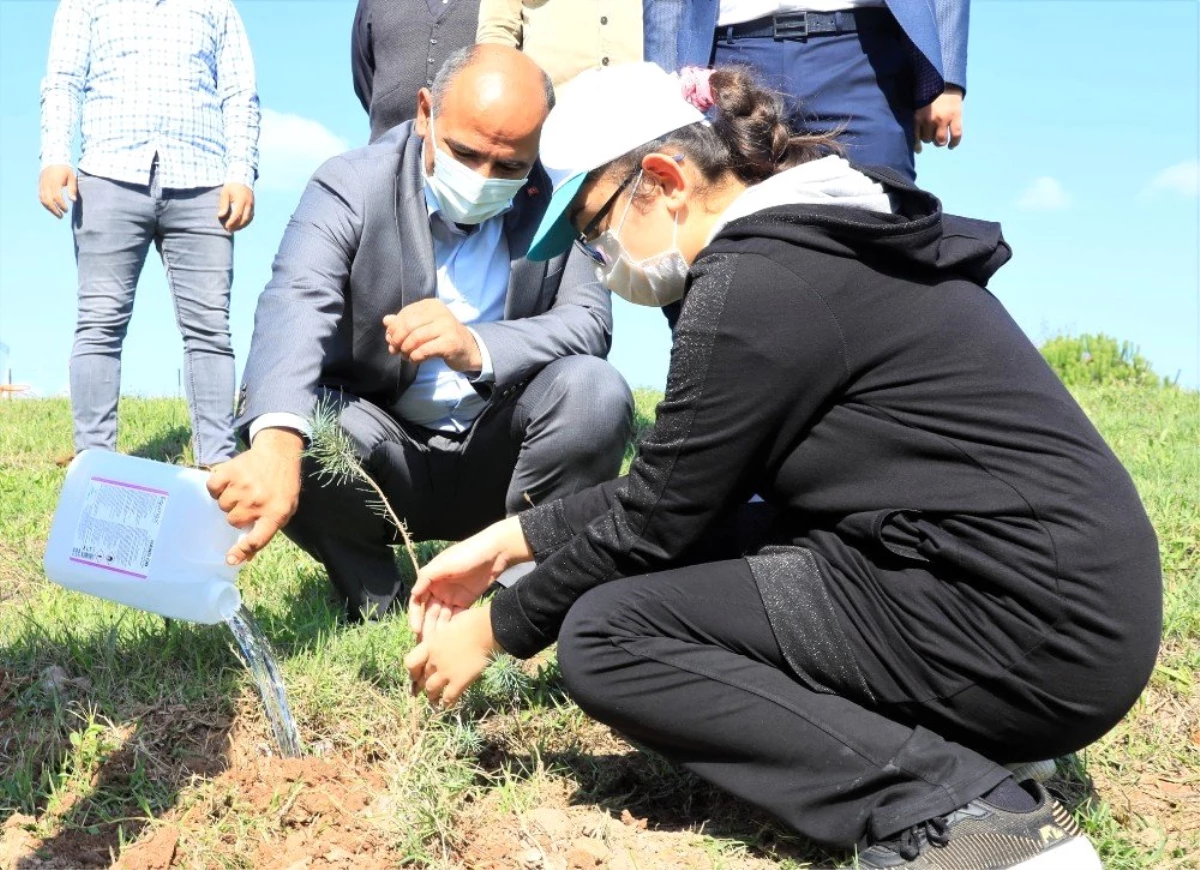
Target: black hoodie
{"points": [[850, 368]]}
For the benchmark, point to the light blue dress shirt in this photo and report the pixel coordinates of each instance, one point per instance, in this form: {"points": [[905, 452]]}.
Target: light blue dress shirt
{"points": [[472, 280]]}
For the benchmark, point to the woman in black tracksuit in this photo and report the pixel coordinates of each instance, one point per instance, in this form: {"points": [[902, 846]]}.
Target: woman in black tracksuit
{"points": [[946, 568]]}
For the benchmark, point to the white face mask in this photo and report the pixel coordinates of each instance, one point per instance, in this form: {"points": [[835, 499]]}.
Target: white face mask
{"points": [[655, 281], [465, 196]]}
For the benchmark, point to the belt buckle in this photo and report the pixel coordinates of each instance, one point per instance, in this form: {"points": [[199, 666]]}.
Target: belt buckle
{"points": [[793, 26]]}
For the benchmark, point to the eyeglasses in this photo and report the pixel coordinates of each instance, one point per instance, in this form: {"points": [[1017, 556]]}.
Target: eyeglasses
{"points": [[584, 237]]}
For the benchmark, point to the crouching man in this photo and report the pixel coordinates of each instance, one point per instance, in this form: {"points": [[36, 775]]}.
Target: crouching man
{"points": [[470, 380]]}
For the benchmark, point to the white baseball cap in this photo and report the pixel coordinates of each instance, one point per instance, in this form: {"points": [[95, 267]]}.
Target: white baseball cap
{"points": [[598, 116]]}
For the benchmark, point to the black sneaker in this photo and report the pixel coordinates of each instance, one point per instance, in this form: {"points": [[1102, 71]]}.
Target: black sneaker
{"points": [[980, 836]]}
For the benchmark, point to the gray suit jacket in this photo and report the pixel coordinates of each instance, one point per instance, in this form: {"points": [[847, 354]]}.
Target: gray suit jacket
{"points": [[359, 247]]}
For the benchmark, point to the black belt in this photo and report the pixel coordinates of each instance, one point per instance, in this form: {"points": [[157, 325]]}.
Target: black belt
{"points": [[801, 25]]}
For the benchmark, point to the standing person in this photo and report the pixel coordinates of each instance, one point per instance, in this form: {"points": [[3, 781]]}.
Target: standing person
{"points": [[885, 75], [471, 380], [888, 74], [397, 47], [661, 20], [950, 570], [565, 37], [163, 93]]}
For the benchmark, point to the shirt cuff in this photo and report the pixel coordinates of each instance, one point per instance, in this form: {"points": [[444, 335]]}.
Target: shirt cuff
{"points": [[56, 158], [241, 173], [487, 374], [279, 420]]}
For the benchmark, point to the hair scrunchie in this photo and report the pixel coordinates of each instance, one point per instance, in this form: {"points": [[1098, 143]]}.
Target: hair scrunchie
{"points": [[695, 87]]}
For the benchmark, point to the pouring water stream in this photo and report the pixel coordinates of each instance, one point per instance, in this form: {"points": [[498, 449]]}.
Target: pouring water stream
{"points": [[260, 662]]}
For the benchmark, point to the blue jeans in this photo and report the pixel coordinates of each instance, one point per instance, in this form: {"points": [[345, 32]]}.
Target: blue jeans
{"points": [[862, 82], [114, 224]]}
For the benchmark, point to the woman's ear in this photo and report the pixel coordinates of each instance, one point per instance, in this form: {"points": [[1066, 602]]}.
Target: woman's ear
{"points": [[665, 171]]}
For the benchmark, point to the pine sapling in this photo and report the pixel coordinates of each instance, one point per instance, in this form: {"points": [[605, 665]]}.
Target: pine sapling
{"points": [[337, 463]]}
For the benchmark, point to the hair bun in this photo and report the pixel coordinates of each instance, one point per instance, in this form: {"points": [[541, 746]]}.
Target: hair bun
{"points": [[752, 121]]}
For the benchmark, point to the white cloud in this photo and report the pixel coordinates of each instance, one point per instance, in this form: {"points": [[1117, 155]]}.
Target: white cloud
{"points": [[291, 147], [1182, 179], [1045, 194]]}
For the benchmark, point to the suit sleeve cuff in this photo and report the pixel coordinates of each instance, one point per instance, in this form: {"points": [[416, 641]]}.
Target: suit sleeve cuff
{"points": [[279, 420], [487, 374]]}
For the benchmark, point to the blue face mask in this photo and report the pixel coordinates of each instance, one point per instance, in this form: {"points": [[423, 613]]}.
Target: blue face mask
{"points": [[465, 196]]}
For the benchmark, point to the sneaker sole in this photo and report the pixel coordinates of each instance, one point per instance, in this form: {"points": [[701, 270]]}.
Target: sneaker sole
{"points": [[1076, 854]]}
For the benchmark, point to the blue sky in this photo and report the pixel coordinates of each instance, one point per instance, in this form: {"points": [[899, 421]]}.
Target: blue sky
{"points": [[1081, 139]]}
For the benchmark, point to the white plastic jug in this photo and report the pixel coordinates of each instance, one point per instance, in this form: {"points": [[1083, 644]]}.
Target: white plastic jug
{"points": [[143, 533]]}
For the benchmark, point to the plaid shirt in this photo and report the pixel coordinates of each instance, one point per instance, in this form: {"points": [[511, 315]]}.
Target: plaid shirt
{"points": [[143, 77]]}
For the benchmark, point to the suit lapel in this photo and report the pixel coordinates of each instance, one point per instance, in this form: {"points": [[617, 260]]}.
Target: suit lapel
{"points": [[414, 242], [525, 277], [418, 278], [418, 273]]}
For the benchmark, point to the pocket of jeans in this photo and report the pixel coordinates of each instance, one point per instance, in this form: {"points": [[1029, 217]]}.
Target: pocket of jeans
{"points": [[83, 181]]}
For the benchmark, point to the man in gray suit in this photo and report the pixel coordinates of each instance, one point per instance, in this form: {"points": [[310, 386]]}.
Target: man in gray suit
{"points": [[470, 380]]}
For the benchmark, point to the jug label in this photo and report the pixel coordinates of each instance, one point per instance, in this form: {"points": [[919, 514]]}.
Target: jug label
{"points": [[118, 526]]}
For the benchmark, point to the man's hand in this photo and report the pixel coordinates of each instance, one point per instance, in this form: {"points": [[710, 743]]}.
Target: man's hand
{"points": [[50, 184], [236, 208], [427, 329], [260, 489], [940, 123], [455, 578], [444, 665]]}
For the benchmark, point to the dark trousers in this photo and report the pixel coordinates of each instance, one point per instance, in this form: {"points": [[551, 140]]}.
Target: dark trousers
{"points": [[862, 82], [686, 663], [564, 431]]}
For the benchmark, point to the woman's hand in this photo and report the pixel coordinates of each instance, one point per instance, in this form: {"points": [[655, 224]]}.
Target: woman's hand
{"points": [[444, 665], [456, 577]]}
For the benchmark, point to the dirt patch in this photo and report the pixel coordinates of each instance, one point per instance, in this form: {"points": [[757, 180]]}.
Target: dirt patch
{"points": [[317, 814], [558, 836], [16, 840], [73, 848], [155, 852], [1156, 798], [82, 823], [591, 800], [583, 800]]}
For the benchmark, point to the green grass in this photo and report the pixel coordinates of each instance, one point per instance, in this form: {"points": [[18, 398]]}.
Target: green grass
{"points": [[144, 715]]}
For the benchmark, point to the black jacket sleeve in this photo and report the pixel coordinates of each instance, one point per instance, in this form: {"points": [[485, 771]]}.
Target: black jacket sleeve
{"points": [[362, 55], [757, 354], [549, 527]]}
